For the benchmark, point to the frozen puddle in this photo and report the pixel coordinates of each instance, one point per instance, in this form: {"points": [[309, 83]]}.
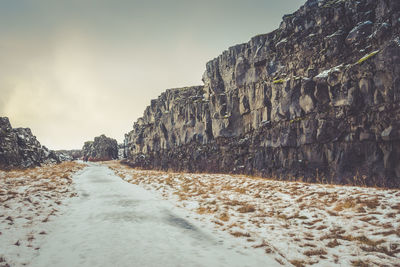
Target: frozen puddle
{"points": [[114, 223]]}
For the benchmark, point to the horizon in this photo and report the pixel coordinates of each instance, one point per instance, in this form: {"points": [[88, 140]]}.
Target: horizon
{"points": [[71, 71]]}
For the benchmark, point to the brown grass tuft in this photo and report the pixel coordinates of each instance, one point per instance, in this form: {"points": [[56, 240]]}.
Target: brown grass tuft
{"points": [[332, 244], [315, 252], [298, 263], [247, 208], [224, 217], [360, 263], [239, 234], [346, 204]]}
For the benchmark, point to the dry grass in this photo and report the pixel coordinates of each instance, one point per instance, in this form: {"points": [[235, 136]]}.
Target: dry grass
{"points": [[50, 176], [296, 214], [369, 203], [233, 203], [30, 197], [315, 252], [381, 249], [205, 210], [224, 217], [363, 240], [332, 244], [386, 233], [240, 234], [346, 204], [247, 208], [298, 263], [360, 263], [262, 245]]}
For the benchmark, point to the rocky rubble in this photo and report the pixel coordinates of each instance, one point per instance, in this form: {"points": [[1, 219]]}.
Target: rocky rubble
{"points": [[101, 149], [19, 148], [315, 100], [72, 154]]}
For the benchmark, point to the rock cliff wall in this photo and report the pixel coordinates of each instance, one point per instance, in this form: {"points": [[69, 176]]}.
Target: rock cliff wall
{"points": [[101, 149], [317, 99], [19, 148]]}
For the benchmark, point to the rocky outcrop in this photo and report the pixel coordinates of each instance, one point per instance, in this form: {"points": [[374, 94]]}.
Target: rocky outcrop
{"points": [[121, 151], [72, 154], [317, 99], [101, 149], [19, 148]]}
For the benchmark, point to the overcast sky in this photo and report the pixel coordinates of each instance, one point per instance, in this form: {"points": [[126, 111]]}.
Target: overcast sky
{"points": [[72, 70]]}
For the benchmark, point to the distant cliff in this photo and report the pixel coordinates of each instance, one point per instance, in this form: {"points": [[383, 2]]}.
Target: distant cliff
{"points": [[72, 154], [316, 100], [101, 149], [19, 148]]}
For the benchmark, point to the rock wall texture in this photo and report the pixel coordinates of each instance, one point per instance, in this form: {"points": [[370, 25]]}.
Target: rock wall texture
{"points": [[317, 100], [101, 149], [19, 148], [121, 151]]}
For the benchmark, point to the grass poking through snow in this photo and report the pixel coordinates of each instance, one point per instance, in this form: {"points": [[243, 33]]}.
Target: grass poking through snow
{"points": [[302, 224], [28, 200]]}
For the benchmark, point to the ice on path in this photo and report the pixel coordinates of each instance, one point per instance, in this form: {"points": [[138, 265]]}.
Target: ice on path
{"points": [[114, 223]]}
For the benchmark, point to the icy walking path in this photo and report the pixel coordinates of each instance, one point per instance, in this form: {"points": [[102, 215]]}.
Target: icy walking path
{"points": [[114, 223]]}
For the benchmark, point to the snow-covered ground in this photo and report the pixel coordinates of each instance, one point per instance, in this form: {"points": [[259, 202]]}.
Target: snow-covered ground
{"points": [[29, 200], [50, 218], [114, 223], [292, 222]]}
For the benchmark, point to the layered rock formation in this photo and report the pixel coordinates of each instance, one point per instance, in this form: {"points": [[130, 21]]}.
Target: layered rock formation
{"points": [[316, 100], [101, 149], [19, 148]]}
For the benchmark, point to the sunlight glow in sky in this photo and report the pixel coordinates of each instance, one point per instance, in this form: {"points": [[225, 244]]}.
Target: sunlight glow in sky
{"points": [[72, 70]]}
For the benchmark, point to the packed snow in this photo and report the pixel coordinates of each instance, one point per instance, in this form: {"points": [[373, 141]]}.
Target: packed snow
{"points": [[326, 73]]}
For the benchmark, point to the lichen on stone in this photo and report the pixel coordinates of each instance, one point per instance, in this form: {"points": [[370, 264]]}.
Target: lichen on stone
{"points": [[361, 60], [278, 81], [297, 119]]}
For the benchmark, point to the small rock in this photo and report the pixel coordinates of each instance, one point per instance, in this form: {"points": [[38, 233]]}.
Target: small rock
{"points": [[359, 33], [391, 133]]}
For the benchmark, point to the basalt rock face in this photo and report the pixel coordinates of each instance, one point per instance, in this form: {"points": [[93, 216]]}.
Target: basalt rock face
{"points": [[19, 148], [101, 149], [177, 117], [317, 99]]}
